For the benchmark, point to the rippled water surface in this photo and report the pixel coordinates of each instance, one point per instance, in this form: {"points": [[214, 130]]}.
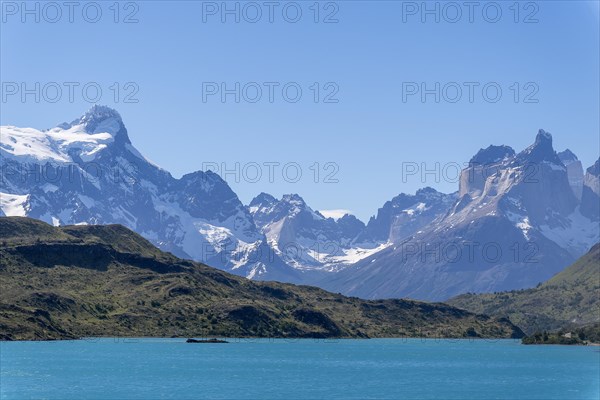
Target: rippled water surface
{"points": [[300, 369]]}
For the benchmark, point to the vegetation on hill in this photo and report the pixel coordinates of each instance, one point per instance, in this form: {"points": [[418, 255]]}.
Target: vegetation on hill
{"points": [[81, 281], [581, 336], [569, 300]]}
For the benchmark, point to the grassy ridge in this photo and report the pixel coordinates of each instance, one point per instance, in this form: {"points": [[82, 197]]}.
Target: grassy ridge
{"points": [[570, 299], [108, 281]]}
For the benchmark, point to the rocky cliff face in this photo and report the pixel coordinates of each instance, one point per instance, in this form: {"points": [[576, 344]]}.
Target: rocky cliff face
{"points": [[574, 171], [590, 199]]}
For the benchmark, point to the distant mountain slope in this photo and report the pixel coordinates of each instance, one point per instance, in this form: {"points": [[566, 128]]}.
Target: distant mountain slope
{"points": [[516, 222], [406, 214], [308, 241], [590, 199], [571, 298], [72, 281], [305, 239]]}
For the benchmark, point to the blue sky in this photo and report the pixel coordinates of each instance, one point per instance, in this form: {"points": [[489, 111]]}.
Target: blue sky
{"points": [[371, 57]]}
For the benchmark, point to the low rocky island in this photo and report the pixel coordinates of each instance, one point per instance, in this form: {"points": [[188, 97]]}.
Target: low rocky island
{"points": [[212, 340]]}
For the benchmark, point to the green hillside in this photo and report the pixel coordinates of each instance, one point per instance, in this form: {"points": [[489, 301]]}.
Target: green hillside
{"points": [[570, 299], [78, 281]]}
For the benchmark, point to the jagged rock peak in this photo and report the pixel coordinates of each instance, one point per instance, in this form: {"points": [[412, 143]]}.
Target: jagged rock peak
{"points": [[98, 113], [567, 156], [594, 169], [492, 154], [100, 119], [293, 198], [263, 199], [541, 150]]}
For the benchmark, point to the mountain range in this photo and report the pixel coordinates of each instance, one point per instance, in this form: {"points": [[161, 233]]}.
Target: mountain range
{"points": [[515, 220], [88, 172]]}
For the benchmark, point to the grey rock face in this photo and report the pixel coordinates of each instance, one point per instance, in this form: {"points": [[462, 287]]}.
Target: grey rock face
{"points": [[590, 199], [574, 171]]}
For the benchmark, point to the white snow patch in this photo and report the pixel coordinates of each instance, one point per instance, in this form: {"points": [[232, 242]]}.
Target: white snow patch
{"points": [[53, 145], [257, 270], [335, 213], [524, 226], [49, 188], [14, 205], [578, 237], [354, 255]]}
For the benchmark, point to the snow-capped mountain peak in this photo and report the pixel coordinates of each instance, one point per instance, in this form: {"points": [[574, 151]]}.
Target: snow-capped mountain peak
{"points": [[83, 140], [105, 119], [99, 115], [88, 172]]}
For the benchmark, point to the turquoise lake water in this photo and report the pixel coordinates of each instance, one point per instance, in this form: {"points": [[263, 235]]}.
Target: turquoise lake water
{"points": [[297, 369]]}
